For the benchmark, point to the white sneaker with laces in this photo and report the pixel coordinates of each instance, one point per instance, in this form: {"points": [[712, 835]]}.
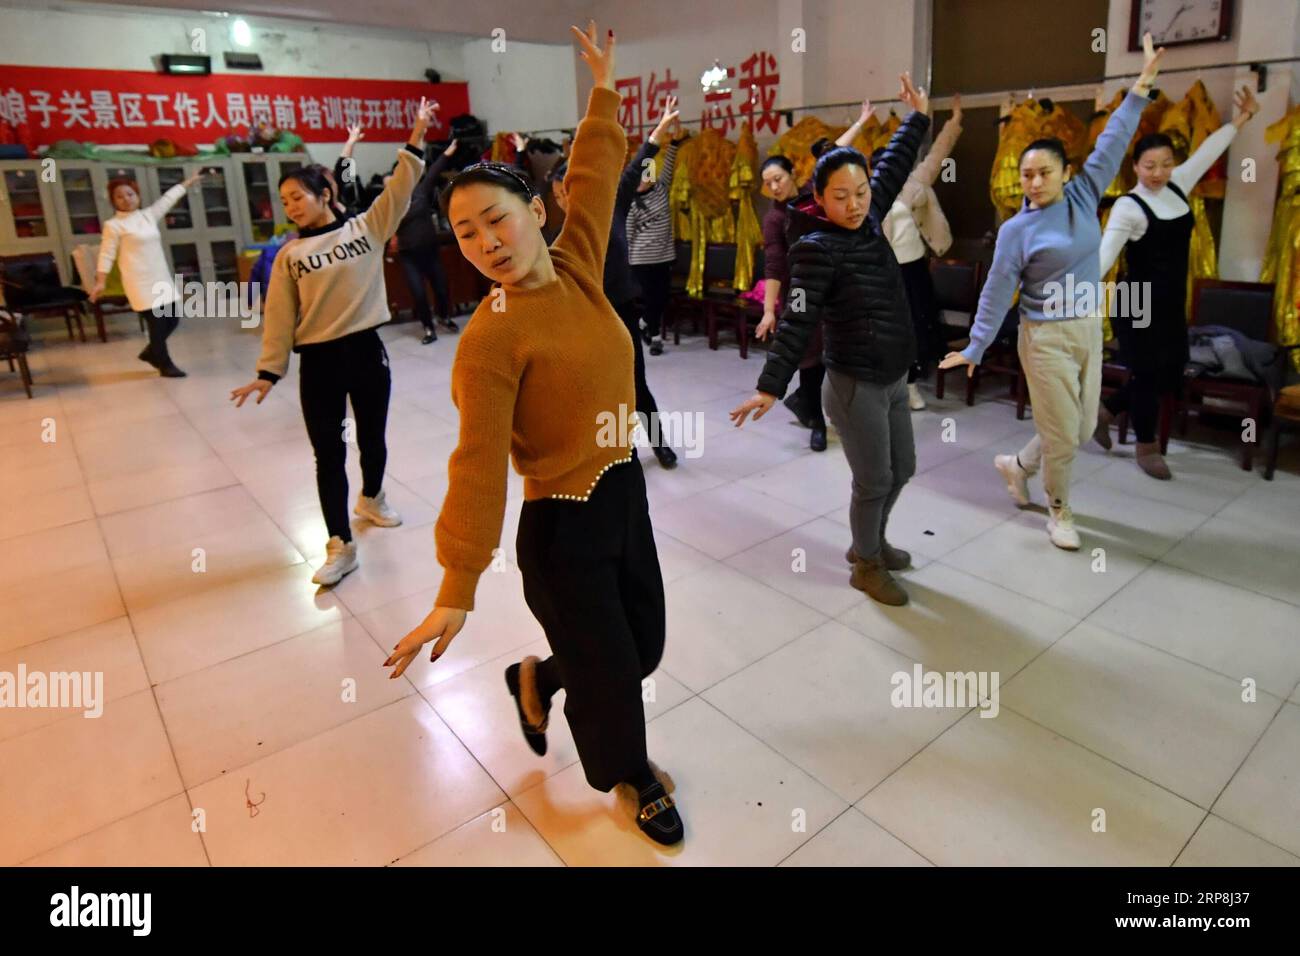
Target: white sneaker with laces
{"points": [[1017, 478], [915, 400], [376, 511], [1060, 528], [340, 558]]}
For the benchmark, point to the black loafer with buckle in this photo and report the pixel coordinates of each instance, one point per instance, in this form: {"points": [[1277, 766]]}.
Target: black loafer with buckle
{"points": [[658, 817]]}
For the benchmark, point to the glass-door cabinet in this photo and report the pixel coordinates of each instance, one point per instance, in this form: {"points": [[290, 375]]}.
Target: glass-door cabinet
{"points": [[257, 182], [82, 202], [202, 219], [28, 214]]}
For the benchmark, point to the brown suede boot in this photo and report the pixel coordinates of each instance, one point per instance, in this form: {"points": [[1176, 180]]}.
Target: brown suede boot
{"points": [[874, 578], [1101, 434], [1151, 461], [896, 559]]}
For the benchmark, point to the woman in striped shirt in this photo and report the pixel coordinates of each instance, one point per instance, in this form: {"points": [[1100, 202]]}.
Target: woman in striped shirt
{"points": [[650, 247]]}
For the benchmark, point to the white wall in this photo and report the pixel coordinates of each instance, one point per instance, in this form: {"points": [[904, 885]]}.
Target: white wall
{"points": [[528, 86], [529, 80]]}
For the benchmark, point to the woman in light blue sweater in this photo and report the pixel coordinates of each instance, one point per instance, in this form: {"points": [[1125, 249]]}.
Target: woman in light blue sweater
{"points": [[1050, 252]]}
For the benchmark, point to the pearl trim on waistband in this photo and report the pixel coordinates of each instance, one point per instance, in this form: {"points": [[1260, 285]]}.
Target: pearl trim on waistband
{"points": [[592, 486]]}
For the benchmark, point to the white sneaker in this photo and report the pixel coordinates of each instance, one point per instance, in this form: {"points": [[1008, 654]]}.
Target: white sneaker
{"points": [[1017, 478], [1060, 528], [340, 558], [376, 511], [915, 400]]}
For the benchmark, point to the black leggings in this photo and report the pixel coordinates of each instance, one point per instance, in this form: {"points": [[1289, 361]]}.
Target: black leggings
{"points": [[656, 284], [592, 580], [645, 402], [419, 264], [1155, 358], [160, 326], [925, 315], [355, 367]]}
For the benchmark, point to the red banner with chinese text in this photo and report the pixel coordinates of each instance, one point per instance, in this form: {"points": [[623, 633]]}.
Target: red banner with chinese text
{"points": [[135, 108]]}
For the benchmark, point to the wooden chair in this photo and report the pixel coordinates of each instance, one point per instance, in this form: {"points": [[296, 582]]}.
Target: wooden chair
{"points": [[86, 258], [32, 287], [725, 307], [956, 289], [1246, 307], [1286, 414], [14, 343]]}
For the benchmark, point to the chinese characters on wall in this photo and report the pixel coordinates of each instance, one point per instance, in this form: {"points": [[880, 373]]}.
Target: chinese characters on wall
{"points": [[747, 95]]}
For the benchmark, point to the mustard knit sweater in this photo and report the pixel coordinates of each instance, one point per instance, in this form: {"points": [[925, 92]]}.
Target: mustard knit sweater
{"points": [[542, 375]]}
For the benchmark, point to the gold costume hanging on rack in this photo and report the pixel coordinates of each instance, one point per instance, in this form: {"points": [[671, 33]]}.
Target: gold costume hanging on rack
{"points": [[503, 149], [1282, 258], [743, 184], [1027, 122], [700, 192], [795, 144], [1187, 124]]}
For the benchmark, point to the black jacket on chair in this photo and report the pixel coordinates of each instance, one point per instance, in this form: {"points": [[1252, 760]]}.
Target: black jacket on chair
{"points": [[850, 282]]}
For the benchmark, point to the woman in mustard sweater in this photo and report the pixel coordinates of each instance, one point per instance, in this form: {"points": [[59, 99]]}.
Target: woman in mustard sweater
{"points": [[544, 375]]}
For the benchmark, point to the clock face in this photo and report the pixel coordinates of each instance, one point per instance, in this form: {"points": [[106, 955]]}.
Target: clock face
{"points": [[1181, 21]]}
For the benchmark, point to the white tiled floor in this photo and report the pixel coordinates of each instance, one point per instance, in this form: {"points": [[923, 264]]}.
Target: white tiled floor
{"points": [[1149, 703]]}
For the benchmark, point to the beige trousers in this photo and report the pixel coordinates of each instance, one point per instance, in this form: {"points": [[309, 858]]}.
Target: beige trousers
{"points": [[1062, 363]]}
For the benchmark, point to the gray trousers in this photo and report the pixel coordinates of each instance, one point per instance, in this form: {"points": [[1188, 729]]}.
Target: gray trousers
{"points": [[875, 428]]}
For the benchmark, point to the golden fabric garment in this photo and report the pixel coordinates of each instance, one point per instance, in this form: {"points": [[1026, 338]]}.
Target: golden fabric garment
{"points": [[1282, 258], [1202, 257], [795, 144], [1027, 122], [1203, 119], [1187, 123], [503, 149], [880, 134], [743, 184], [1068, 128], [1004, 179], [1116, 269], [700, 193]]}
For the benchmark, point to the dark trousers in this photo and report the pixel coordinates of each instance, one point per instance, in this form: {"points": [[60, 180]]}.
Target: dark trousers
{"points": [[656, 284], [645, 402], [160, 326], [418, 264], [810, 393], [875, 429], [354, 367], [592, 580], [1155, 363], [925, 316]]}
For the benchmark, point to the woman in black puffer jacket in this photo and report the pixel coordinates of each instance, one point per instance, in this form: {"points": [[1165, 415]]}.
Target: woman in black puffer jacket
{"points": [[843, 274]]}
